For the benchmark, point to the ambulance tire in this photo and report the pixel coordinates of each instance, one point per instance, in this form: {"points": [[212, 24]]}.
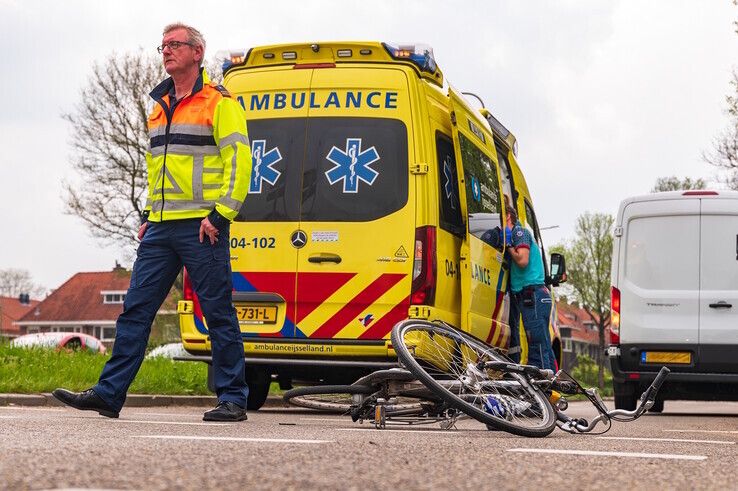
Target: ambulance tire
{"points": [[259, 381], [625, 395]]}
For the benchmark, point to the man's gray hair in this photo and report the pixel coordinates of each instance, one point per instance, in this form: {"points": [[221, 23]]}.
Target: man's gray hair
{"points": [[193, 35]]}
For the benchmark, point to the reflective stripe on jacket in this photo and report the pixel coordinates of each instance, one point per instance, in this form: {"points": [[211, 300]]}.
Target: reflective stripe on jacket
{"points": [[199, 158]]}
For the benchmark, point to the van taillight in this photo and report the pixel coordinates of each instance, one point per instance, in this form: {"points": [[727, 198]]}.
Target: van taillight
{"points": [[614, 316], [187, 292], [424, 267]]}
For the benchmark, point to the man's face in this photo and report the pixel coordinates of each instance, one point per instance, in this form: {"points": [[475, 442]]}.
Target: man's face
{"points": [[182, 59]]}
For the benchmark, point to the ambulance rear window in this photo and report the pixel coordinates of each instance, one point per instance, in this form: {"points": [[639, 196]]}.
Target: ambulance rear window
{"points": [[326, 169]]}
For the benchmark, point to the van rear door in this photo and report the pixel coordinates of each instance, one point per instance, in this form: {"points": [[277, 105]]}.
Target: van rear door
{"points": [[659, 275], [719, 285], [357, 205]]}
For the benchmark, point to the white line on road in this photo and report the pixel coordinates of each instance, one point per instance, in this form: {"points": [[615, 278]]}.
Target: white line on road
{"points": [[385, 430], [26, 408], [335, 420], [610, 454], [9, 417], [230, 439], [676, 440], [731, 432], [116, 421], [169, 415]]}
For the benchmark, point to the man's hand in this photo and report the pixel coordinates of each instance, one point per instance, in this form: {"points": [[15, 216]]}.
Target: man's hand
{"points": [[207, 228], [142, 230]]}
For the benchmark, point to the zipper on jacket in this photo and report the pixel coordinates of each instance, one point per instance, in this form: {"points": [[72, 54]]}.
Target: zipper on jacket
{"points": [[169, 113]]}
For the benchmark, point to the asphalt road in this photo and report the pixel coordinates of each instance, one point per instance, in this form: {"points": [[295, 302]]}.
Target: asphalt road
{"points": [[692, 445]]}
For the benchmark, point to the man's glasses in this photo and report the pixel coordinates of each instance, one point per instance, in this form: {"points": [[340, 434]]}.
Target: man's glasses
{"points": [[173, 45]]}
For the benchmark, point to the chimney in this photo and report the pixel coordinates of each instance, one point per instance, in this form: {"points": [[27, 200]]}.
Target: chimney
{"points": [[24, 298]]}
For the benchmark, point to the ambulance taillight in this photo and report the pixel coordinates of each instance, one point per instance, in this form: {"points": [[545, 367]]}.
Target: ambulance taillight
{"points": [[187, 292], [424, 267]]}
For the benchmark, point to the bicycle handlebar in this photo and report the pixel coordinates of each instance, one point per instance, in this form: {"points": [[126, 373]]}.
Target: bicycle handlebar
{"points": [[647, 399]]}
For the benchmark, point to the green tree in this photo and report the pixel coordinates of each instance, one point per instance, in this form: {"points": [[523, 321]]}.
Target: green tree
{"points": [[588, 260], [673, 183]]}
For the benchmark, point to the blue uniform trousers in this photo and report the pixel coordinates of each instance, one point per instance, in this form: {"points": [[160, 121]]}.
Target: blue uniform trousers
{"points": [[167, 246], [535, 313]]}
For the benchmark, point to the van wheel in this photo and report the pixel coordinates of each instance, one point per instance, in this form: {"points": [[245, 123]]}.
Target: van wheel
{"points": [[625, 396], [259, 381], [658, 406]]}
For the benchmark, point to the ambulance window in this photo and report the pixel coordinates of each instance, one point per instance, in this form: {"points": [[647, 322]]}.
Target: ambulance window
{"points": [[355, 169], [450, 213], [277, 149], [482, 189]]}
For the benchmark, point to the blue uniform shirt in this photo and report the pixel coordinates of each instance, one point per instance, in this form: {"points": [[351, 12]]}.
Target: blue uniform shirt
{"points": [[532, 274]]}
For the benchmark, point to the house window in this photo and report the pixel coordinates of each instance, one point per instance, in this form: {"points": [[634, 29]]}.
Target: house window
{"points": [[114, 297], [567, 345], [108, 334]]}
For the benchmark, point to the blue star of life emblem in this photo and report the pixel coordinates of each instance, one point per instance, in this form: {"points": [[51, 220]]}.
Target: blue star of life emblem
{"points": [[448, 186], [263, 162], [352, 165]]}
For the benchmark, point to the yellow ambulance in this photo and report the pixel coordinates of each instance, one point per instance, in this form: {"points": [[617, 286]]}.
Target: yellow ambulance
{"points": [[372, 183]]}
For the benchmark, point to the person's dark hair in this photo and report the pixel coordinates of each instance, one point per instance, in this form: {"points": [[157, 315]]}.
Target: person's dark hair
{"points": [[512, 213]]}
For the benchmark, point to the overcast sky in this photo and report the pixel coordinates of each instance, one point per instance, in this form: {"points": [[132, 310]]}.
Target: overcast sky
{"points": [[603, 96]]}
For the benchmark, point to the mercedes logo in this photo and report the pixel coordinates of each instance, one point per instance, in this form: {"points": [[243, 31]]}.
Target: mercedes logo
{"points": [[298, 239]]}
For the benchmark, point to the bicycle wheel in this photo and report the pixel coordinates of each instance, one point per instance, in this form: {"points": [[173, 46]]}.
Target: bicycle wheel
{"points": [[446, 361], [335, 398]]}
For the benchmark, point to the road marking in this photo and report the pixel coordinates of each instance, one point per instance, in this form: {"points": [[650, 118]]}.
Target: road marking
{"points": [[678, 440], [230, 439], [335, 420], [610, 454], [26, 408], [731, 432], [385, 430], [9, 417], [116, 421], [169, 415]]}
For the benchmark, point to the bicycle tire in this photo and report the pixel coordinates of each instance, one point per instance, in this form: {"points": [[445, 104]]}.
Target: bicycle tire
{"points": [[335, 398], [521, 408]]}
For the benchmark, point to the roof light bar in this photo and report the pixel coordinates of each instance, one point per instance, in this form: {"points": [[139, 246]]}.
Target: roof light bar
{"points": [[419, 54]]}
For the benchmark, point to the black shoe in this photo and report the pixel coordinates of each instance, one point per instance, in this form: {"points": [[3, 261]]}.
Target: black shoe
{"points": [[226, 411], [85, 401]]}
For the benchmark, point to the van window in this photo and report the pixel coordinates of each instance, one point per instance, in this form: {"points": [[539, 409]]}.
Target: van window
{"points": [[480, 174], [355, 169], [326, 169], [450, 212], [662, 252]]}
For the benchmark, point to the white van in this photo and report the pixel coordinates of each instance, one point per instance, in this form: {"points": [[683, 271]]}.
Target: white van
{"points": [[675, 296]]}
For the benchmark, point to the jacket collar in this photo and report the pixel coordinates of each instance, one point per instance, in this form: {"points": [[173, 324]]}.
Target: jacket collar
{"points": [[167, 86]]}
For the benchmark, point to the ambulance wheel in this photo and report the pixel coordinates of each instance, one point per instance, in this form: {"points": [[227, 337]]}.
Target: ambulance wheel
{"points": [[259, 382], [445, 360]]}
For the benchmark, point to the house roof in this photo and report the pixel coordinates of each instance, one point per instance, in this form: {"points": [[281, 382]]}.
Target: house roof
{"points": [[11, 310], [579, 322]]}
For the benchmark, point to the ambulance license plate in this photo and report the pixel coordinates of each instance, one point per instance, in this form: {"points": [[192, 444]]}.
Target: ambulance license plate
{"points": [[249, 314], [671, 357]]}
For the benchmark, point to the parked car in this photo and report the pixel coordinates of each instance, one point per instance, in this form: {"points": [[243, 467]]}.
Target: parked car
{"points": [[169, 350], [60, 340]]}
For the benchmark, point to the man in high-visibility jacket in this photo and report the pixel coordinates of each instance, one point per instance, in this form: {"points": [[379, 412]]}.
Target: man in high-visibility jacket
{"points": [[199, 167]]}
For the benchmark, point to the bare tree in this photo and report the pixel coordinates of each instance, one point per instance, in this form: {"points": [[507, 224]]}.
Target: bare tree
{"points": [[110, 139], [13, 282], [673, 183], [588, 260]]}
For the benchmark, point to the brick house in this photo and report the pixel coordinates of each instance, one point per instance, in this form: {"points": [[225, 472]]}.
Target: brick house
{"points": [[90, 303], [579, 335], [11, 310]]}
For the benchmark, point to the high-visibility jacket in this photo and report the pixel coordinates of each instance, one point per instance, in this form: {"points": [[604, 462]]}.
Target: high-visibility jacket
{"points": [[199, 160]]}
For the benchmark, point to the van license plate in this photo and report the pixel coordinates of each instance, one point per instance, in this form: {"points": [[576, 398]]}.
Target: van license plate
{"points": [[256, 315], [672, 357]]}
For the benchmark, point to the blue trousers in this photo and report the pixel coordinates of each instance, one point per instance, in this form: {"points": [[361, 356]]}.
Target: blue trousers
{"points": [[535, 323], [167, 246]]}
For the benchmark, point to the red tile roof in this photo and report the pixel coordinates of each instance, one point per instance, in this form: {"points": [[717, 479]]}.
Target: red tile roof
{"points": [[11, 310], [79, 299], [575, 318]]}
